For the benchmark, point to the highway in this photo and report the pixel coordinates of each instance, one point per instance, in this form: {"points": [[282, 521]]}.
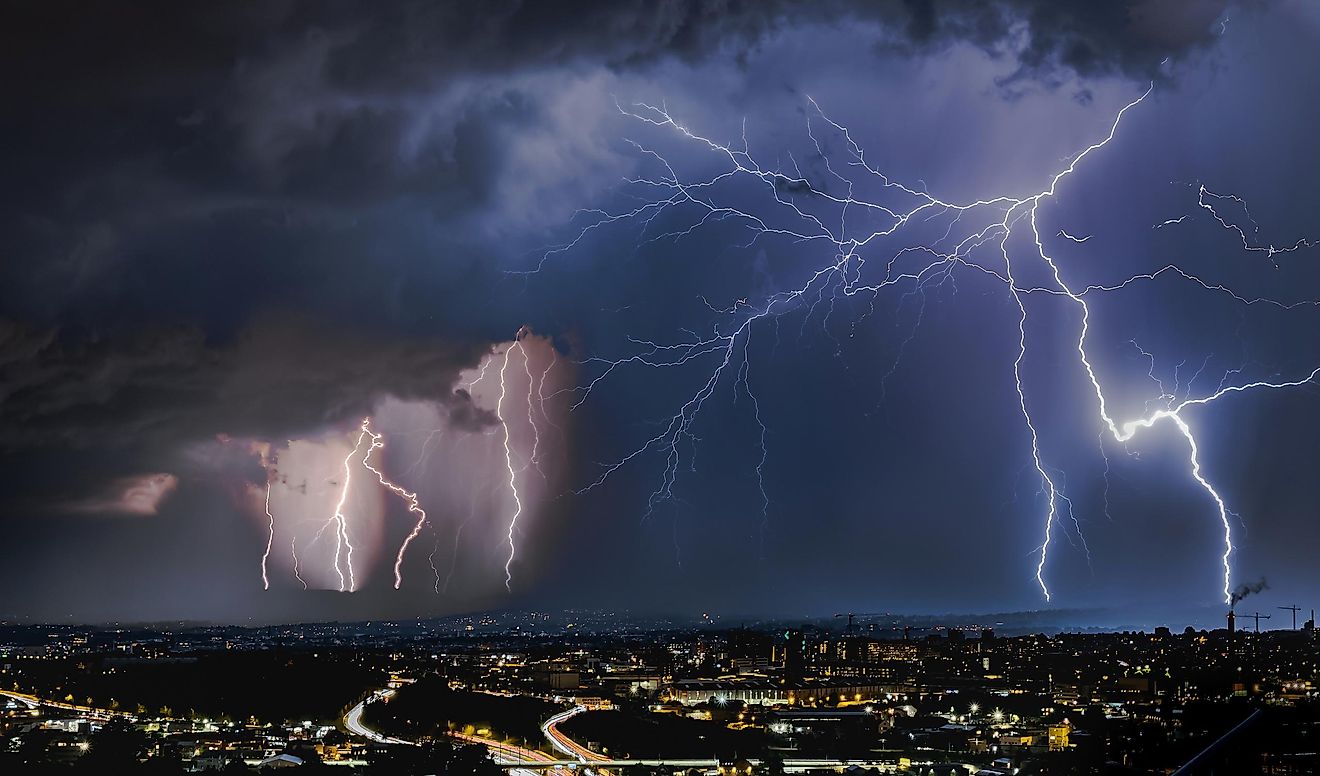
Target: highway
{"points": [[516, 757], [526, 762], [565, 745], [562, 743], [87, 711], [31, 701], [353, 721]]}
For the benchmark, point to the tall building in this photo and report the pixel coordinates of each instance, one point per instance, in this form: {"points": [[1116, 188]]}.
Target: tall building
{"points": [[791, 653]]}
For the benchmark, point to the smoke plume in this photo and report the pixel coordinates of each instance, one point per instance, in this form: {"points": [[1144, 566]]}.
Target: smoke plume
{"points": [[1246, 589]]}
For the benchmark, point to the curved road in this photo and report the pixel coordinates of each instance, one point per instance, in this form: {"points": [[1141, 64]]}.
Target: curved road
{"points": [[353, 720], [501, 752], [562, 743]]}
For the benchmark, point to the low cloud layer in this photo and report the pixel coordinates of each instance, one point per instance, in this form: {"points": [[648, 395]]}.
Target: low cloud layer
{"points": [[141, 495], [278, 378]]}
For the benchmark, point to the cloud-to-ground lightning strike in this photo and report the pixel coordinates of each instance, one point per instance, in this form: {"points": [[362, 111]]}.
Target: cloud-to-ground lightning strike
{"points": [[343, 560], [293, 551], [1002, 217], [369, 440], [508, 460], [340, 522], [430, 559], [270, 539], [410, 498]]}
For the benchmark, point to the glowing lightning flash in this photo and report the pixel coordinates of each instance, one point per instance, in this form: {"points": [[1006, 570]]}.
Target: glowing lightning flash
{"points": [[270, 539], [372, 441], [531, 415], [340, 521], [293, 551], [508, 460], [409, 498], [843, 277]]}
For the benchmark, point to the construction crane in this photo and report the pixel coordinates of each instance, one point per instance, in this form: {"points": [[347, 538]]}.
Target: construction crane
{"points": [[1294, 609], [1257, 616]]}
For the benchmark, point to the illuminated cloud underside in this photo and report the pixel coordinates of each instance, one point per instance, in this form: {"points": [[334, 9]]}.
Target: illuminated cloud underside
{"points": [[448, 488], [139, 495]]}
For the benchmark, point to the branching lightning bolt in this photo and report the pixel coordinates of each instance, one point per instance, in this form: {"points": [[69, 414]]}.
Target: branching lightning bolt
{"points": [[343, 545], [846, 274], [369, 441], [409, 498], [531, 412]]}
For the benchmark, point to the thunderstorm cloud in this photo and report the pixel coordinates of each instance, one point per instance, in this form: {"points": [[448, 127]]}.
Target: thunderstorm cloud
{"points": [[231, 232]]}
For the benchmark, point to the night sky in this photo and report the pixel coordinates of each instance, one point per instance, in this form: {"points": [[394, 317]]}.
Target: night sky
{"points": [[233, 231]]}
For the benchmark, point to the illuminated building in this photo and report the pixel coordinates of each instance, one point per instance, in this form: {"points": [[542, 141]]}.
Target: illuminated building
{"points": [[1058, 736]]}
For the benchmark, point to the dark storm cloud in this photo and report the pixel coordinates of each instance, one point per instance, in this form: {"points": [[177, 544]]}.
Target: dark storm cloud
{"points": [[169, 386], [440, 39], [278, 103], [269, 145], [465, 415], [273, 144], [103, 52]]}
